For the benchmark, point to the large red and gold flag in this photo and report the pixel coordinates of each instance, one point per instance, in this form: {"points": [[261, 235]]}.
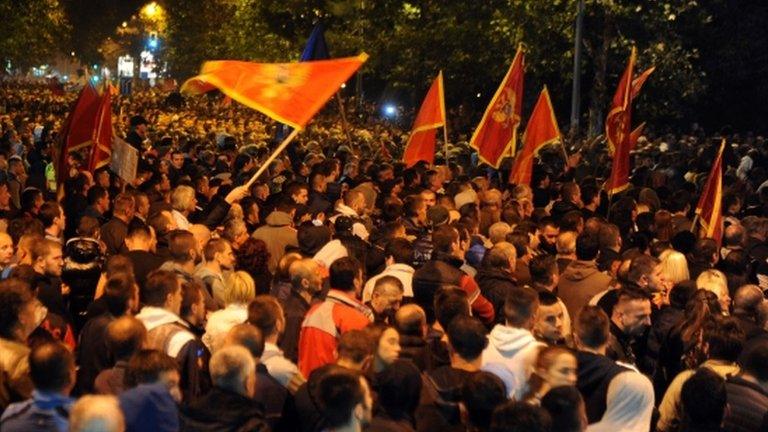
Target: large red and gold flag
{"points": [[618, 125], [496, 135], [709, 208], [421, 143], [290, 93], [541, 130], [77, 132], [101, 151]]}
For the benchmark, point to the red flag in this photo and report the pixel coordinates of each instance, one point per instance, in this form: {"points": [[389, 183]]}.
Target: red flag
{"points": [[421, 143], [541, 130], [618, 125], [290, 93], [77, 132], [709, 208], [496, 135], [635, 135], [101, 151]]}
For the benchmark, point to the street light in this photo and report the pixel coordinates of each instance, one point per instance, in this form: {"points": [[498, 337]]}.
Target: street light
{"points": [[150, 9]]}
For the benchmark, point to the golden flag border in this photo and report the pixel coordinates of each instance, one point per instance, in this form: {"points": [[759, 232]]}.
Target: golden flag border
{"points": [[429, 127], [538, 148], [492, 103], [626, 102]]}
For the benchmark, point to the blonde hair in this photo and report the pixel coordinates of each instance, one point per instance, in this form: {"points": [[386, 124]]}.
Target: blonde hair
{"points": [[239, 287], [714, 281], [674, 266]]}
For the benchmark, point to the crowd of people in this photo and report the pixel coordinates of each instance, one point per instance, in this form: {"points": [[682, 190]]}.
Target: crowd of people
{"points": [[343, 291]]}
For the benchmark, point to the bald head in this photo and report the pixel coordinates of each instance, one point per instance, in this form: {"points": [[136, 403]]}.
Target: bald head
{"points": [[734, 235], [202, 235], [411, 320], [355, 199], [6, 249], [125, 336], [92, 413], [747, 299], [501, 256], [566, 243], [305, 275], [247, 336]]}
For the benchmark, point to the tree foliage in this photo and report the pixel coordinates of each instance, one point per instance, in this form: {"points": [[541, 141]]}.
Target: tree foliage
{"points": [[32, 32]]}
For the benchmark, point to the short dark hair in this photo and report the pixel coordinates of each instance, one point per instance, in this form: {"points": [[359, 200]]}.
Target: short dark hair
{"points": [[520, 305], [191, 293], [724, 337], [145, 367], [263, 313], [754, 361], [119, 289], [28, 197], [338, 393], [96, 193], [401, 250], [159, 284], [398, 389], [49, 211], [481, 394], [587, 247], [355, 345], [180, 242], [343, 273], [547, 298], [443, 238], [513, 416], [592, 326], [543, 268], [467, 336], [704, 397], [564, 406], [50, 366], [641, 265], [449, 303]]}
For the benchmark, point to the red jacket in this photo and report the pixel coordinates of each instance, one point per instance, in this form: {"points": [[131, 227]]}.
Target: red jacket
{"points": [[324, 324]]}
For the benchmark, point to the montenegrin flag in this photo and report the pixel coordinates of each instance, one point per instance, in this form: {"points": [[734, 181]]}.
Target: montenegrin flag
{"points": [[101, 151], [618, 125], [496, 135], [421, 143], [290, 93], [77, 132], [541, 130], [709, 208]]}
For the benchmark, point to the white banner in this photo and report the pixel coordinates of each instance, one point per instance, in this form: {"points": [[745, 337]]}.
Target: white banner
{"points": [[125, 160]]}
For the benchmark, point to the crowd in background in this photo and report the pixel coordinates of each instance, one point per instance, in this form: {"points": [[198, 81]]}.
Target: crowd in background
{"points": [[343, 291]]}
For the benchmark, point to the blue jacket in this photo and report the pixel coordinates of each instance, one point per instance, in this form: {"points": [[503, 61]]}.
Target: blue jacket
{"points": [[46, 411], [149, 407]]}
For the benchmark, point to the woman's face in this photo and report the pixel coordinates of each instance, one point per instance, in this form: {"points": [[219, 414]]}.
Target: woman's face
{"points": [[389, 346], [562, 372]]}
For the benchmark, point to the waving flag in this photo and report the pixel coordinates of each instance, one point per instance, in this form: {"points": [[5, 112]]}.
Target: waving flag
{"points": [[541, 130], [618, 125], [316, 48], [496, 135], [709, 208], [290, 93], [102, 133], [421, 143], [77, 132]]}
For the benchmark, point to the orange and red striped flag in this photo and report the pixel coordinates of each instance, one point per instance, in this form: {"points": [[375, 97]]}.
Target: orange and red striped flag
{"points": [[618, 125], [421, 143], [541, 130], [290, 93], [496, 135], [709, 208]]}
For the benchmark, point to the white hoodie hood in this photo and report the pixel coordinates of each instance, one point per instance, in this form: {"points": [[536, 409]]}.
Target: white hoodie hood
{"points": [[516, 349]]}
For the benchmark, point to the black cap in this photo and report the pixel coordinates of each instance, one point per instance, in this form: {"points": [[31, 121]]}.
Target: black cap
{"points": [[138, 120]]}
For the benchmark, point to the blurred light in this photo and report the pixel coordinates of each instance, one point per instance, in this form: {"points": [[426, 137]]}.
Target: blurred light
{"points": [[72, 53], [343, 85], [153, 43], [95, 66], [390, 110], [125, 24], [478, 95], [65, 77], [95, 79], [150, 10]]}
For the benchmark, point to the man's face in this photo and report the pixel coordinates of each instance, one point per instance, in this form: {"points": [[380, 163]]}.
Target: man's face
{"points": [[635, 316], [387, 301], [174, 300], [549, 235], [141, 130], [549, 322], [54, 262], [142, 206], [656, 280], [177, 160], [171, 379], [62, 219], [227, 258], [301, 196], [38, 203], [6, 249], [428, 198]]}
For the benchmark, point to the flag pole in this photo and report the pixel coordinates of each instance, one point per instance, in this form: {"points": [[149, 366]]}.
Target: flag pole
{"points": [[344, 124], [445, 140], [272, 157]]}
